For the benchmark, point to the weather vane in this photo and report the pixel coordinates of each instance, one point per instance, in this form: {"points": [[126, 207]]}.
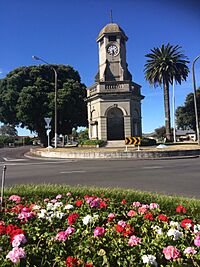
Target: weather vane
{"points": [[111, 17]]}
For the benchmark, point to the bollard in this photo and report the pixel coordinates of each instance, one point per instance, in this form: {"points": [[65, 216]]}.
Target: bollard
{"points": [[2, 185]]}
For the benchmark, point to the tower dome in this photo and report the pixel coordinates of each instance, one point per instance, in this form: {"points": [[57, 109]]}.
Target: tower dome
{"points": [[111, 28]]}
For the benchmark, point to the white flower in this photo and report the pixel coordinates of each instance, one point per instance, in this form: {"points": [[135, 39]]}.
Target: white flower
{"points": [[59, 214], [57, 205], [36, 207], [69, 207], [87, 219], [149, 259], [42, 213], [196, 228], [175, 233], [157, 229], [175, 225], [50, 206]]}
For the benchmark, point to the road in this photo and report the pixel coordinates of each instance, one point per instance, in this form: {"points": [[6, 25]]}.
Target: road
{"points": [[172, 176]]}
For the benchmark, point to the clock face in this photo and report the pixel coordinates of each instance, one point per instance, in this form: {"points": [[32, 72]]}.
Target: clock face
{"points": [[113, 50]]}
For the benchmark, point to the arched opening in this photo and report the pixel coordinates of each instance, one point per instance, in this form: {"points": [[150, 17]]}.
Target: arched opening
{"points": [[115, 124]]}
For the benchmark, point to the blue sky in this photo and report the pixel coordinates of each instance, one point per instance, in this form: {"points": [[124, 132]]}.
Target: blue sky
{"points": [[64, 32]]}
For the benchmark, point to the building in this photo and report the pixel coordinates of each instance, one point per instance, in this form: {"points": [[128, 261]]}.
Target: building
{"points": [[185, 135], [114, 100]]}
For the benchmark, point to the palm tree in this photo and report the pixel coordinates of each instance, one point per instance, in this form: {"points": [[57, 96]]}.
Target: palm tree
{"points": [[166, 63]]}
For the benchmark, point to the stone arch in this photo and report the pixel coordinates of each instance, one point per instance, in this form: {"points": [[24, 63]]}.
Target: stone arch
{"points": [[115, 106], [115, 123]]}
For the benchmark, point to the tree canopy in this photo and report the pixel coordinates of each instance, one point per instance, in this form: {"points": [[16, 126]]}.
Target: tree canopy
{"points": [[185, 115], [165, 64], [8, 130], [27, 96]]}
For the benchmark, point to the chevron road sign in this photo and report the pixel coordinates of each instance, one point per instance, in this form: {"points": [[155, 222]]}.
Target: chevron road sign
{"points": [[132, 140]]}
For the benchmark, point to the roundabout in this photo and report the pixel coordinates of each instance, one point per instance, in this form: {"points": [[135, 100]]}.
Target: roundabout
{"points": [[130, 152]]}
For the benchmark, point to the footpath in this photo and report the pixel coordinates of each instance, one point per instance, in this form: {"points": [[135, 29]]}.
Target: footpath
{"points": [[130, 152]]}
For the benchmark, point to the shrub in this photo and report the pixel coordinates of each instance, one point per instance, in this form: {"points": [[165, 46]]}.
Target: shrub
{"points": [[148, 142], [92, 142], [5, 140]]}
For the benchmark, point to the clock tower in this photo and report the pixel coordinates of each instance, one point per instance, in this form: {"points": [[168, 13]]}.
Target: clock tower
{"points": [[114, 100]]}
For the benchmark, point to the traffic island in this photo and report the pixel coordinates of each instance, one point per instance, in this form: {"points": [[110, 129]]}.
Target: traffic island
{"points": [[169, 152]]}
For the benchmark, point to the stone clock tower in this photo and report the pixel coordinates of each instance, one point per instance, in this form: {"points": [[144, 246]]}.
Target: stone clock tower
{"points": [[114, 100]]}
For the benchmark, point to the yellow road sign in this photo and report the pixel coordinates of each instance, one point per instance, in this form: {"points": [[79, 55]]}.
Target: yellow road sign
{"points": [[133, 140]]}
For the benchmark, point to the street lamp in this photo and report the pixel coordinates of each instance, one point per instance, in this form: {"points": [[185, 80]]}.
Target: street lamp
{"points": [[195, 99], [56, 81]]}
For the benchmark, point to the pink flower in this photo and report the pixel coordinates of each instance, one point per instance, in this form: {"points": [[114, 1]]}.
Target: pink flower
{"points": [[46, 199], [171, 252], [25, 214], [70, 230], [16, 254], [61, 236], [15, 198], [95, 203], [154, 206], [98, 231], [69, 194], [122, 223], [131, 213], [18, 240], [190, 250], [136, 204], [111, 216], [197, 241], [53, 201], [142, 210], [134, 240], [58, 196]]}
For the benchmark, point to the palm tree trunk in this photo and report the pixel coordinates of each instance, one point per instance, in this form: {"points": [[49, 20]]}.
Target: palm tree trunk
{"points": [[167, 111]]}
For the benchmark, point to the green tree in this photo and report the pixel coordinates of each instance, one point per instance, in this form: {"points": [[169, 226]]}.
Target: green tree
{"points": [[27, 96], [8, 130], [160, 132], [164, 64], [185, 115]]}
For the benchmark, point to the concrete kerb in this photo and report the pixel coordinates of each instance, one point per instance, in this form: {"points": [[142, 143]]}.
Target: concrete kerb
{"points": [[169, 154]]}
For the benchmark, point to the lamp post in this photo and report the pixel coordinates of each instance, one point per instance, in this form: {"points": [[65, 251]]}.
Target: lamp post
{"points": [[195, 99], [56, 82]]}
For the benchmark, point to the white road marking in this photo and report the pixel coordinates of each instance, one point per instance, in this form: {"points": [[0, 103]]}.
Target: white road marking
{"points": [[153, 167], [73, 172], [6, 159], [35, 163]]}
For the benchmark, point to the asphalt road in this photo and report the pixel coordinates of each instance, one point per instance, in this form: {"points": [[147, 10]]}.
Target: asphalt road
{"points": [[172, 176]]}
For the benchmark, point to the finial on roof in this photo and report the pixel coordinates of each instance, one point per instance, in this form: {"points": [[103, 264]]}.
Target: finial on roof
{"points": [[111, 17]]}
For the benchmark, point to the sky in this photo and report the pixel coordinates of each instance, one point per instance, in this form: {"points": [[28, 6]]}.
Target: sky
{"points": [[65, 31]]}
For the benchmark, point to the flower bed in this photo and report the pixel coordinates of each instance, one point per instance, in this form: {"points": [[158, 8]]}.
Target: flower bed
{"points": [[69, 230]]}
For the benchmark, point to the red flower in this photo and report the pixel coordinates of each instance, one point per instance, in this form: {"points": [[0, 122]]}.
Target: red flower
{"points": [[2, 229], [180, 209], [119, 228], [88, 265], [103, 204], [17, 208], [187, 223], [149, 216], [123, 201], [72, 218], [10, 228], [71, 262], [79, 203], [163, 218]]}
